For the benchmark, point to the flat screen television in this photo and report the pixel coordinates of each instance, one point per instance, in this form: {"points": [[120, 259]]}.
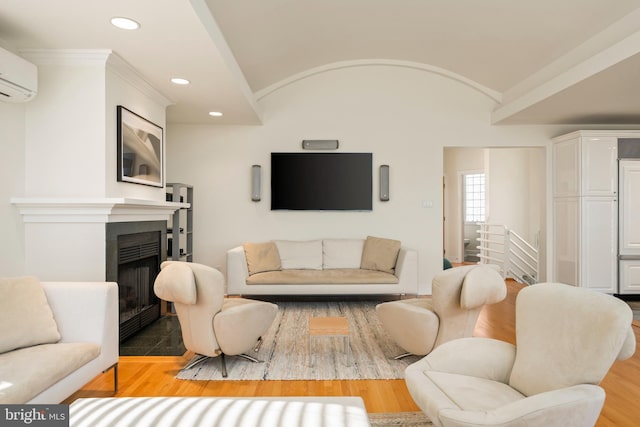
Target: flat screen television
{"points": [[321, 181]]}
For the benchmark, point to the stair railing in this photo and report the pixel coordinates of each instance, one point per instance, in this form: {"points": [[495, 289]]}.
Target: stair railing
{"points": [[515, 257]]}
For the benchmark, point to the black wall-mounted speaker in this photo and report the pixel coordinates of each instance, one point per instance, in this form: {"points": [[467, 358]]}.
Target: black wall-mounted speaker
{"points": [[320, 144], [255, 183], [384, 183]]}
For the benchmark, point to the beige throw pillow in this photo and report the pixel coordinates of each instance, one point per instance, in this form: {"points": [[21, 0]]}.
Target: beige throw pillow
{"points": [[380, 254], [25, 316], [261, 257]]}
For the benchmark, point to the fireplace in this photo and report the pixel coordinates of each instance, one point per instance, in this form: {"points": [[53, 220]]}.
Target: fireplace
{"points": [[134, 254]]}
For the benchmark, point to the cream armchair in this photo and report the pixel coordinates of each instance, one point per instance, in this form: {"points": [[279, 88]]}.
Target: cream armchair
{"points": [[418, 325], [212, 325], [567, 339]]}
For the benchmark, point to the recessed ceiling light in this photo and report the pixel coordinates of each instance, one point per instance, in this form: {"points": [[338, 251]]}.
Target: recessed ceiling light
{"points": [[125, 23], [215, 113], [180, 81]]}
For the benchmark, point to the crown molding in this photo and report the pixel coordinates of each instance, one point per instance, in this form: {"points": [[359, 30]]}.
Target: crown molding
{"points": [[124, 70], [106, 58], [78, 57]]}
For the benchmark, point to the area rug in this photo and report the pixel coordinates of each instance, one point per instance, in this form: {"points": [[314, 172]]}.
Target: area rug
{"points": [[285, 350], [396, 419]]}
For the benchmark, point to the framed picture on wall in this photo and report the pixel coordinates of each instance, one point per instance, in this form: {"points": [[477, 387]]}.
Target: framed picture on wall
{"points": [[140, 149]]}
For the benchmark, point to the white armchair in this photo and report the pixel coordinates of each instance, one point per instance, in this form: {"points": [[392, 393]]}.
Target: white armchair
{"points": [[567, 339], [419, 325], [211, 324]]}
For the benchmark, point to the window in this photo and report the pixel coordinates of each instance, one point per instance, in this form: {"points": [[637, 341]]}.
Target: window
{"points": [[474, 200]]}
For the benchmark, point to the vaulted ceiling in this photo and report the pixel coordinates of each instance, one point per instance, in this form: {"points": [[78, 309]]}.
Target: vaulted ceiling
{"points": [[543, 62]]}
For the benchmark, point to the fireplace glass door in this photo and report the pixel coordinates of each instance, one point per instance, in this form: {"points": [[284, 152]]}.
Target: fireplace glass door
{"points": [[138, 266]]}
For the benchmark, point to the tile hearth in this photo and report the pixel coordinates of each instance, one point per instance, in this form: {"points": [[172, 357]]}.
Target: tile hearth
{"points": [[161, 338]]}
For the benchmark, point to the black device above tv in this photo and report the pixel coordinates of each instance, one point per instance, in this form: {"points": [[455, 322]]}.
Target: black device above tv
{"points": [[321, 181]]}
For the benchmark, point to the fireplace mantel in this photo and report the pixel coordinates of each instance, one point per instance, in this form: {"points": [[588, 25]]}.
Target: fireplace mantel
{"points": [[93, 210]]}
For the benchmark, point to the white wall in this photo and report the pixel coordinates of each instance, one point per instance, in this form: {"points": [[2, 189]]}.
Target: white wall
{"points": [[404, 116], [456, 162], [124, 88], [516, 182], [71, 148], [65, 132], [12, 117], [71, 136], [516, 177], [517, 198]]}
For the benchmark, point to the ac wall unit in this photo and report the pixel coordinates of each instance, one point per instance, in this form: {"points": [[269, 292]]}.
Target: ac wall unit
{"points": [[18, 78]]}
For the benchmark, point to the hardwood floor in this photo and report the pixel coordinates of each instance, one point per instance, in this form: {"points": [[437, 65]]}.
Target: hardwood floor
{"points": [[155, 376]]}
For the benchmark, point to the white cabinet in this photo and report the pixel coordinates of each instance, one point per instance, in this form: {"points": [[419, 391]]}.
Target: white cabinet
{"points": [[565, 245], [630, 208], [585, 187], [630, 276], [585, 166], [585, 244], [599, 166], [629, 240], [599, 244], [566, 158]]}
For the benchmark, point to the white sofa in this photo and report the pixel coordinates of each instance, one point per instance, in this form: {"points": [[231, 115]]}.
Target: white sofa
{"points": [[323, 267], [83, 345]]}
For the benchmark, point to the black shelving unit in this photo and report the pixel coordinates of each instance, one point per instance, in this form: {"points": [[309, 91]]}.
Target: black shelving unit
{"points": [[180, 227]]}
